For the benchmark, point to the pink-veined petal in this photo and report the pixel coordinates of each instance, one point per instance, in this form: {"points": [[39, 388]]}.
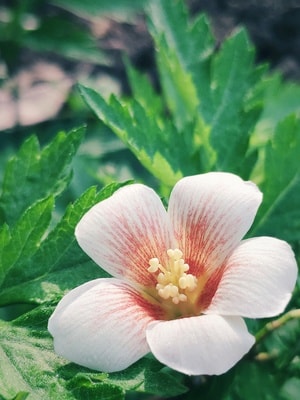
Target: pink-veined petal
{"points": [[210, 214], [208, 344], [102, 325], [258, 279], [123, 232]]}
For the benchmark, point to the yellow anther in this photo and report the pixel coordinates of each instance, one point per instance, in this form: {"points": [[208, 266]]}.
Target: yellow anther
{"points": [[172, 278]]}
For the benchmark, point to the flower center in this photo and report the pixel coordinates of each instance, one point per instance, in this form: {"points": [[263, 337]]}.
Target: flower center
{"points": [[173, 282]]}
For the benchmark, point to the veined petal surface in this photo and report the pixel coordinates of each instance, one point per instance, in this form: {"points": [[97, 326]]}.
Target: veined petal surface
{"points": [[210, 214], [258, 279], [101, 325], [123, 232], [208, 344]]}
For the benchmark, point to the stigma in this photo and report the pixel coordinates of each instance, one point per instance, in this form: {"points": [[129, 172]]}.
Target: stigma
{"points": [[173, 281]]}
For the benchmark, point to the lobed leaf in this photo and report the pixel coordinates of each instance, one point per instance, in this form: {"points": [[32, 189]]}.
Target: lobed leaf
{"points": [[143, 134], [215, 89], [34, 174], [24, 239], [29, 364], [211, 100], [57, 264]]}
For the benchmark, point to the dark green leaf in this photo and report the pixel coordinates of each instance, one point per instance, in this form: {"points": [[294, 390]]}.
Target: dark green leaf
{"points": [[283, 343], [58, 264], [34, 174], [254, 381], [25, 238], [232, 78], [92, 8], [148, 375], [59, 35], [279, 214]]}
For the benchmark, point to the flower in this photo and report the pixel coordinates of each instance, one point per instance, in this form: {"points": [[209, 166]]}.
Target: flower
{"points": [[183, 278]]}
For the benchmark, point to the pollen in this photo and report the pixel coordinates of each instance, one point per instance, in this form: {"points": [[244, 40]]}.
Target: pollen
{"points": [[173, 281]]}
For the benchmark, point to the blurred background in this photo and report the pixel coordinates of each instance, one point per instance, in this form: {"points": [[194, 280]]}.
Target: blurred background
{"points": [[47, 46]]}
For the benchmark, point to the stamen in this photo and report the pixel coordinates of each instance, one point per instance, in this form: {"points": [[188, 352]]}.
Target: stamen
{"points": [[154, 265], [172, 279]]}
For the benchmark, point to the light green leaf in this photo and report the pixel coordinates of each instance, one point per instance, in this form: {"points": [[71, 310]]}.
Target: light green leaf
{"points": [[219, 90], [19, 396], [27, 360], [179, 89], [183, 51], [28, 363], [143, 92], [291, 389], [280, 100], [34, 174], [192, 41]]}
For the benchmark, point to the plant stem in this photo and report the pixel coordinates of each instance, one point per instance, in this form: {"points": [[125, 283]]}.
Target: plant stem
{"points": [[277, 323]]}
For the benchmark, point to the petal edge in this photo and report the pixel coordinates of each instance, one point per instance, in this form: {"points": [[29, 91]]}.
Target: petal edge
{"points": [[204, 345]]}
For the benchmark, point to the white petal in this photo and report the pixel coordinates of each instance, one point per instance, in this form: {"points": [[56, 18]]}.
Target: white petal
{"points": [[258, 280], [211, 213], [101, 325], [123, 232], [208, 344]]}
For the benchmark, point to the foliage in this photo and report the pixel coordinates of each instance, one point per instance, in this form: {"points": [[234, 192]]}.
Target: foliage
{"points": [[216, 111], [42, 27]]}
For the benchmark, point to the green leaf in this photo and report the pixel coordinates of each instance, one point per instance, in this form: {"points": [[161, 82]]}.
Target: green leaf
{"points": [[24, 238], [62, 36], [280, 100], [34, 174], [57, 264], [279, 215], [143, 92], [193, 41], [28, 363], [145, 376], [221, 92], [254, 381], [183, 48], [283, 344], [232, 78], [19, 396], [27, 360], [91, 8], [179, 89], [291, 389], [143, 135]]}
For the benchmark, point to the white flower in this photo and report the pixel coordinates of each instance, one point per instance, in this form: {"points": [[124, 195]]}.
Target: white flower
{"points": [[183, 278]]}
